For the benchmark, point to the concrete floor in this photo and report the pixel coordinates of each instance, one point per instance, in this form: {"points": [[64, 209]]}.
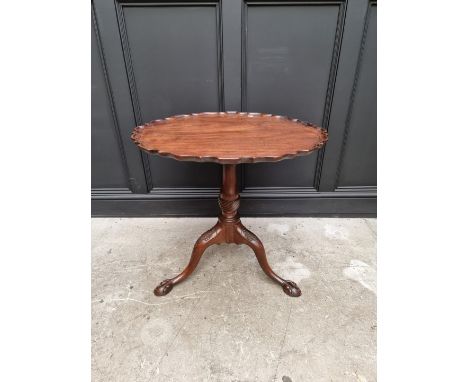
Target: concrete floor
{"points": [[228, 321]]}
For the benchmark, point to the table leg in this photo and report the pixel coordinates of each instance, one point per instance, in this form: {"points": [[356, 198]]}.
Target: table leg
{"points": [[244, 236], [228, 229], [210, 237]]}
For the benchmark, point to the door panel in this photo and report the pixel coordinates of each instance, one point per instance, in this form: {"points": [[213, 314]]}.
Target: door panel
{"points": [[359, 155], [288, 59], [174, 55], [107, 164]]}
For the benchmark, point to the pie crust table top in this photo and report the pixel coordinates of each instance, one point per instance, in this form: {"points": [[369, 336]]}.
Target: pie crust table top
{"points": [[229, 137]]}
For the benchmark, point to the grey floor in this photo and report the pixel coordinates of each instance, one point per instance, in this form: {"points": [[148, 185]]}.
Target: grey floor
{"points": [[229, 322]]}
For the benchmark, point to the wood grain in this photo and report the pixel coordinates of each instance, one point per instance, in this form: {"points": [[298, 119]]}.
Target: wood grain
{"points": [[229, 137]]}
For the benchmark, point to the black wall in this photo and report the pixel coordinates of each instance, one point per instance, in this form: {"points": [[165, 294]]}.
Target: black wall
{"points": [[313, 60]]}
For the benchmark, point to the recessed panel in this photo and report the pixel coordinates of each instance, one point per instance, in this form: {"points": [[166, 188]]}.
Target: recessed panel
{"points": [[289, 51], [359, 162], [174, 53], [107, 169]]}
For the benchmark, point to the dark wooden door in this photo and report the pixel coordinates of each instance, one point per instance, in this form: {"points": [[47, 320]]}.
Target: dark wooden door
{"points": [[314, 60]]}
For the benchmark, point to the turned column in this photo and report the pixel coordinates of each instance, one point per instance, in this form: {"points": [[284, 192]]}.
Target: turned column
{"points": [[229, 202]]}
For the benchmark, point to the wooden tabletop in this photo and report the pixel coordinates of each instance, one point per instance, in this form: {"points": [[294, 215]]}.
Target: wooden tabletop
{"points": [[229, 138]]}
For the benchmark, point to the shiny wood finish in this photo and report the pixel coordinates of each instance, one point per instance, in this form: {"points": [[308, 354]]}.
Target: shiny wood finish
{"points": [[228, 229], [229, 138]]}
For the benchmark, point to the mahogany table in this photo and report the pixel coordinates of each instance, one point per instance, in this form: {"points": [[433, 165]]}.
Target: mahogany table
{"points": [[229, 138]]}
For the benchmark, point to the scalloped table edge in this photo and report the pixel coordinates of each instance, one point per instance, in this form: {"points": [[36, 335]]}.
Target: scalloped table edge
{"points": [[237, 160]]}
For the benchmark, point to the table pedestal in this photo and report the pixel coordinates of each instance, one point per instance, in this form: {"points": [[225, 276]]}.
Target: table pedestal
{"points": [[228, 229]]}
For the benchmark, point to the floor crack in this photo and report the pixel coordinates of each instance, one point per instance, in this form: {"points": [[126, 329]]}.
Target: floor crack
{"points": [[195, 304], [166, 351], [283, 341]]}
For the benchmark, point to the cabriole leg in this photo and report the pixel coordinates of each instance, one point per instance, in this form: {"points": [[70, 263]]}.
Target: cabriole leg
{"points": [[210, 237], [228, 229], [244, 236]]}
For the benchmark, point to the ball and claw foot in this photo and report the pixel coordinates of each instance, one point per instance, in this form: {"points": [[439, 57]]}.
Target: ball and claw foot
{"points": [[291, 289], [164, 288]]}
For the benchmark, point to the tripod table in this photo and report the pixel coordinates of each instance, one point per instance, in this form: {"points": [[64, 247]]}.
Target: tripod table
{"points": [[229, 138]]}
